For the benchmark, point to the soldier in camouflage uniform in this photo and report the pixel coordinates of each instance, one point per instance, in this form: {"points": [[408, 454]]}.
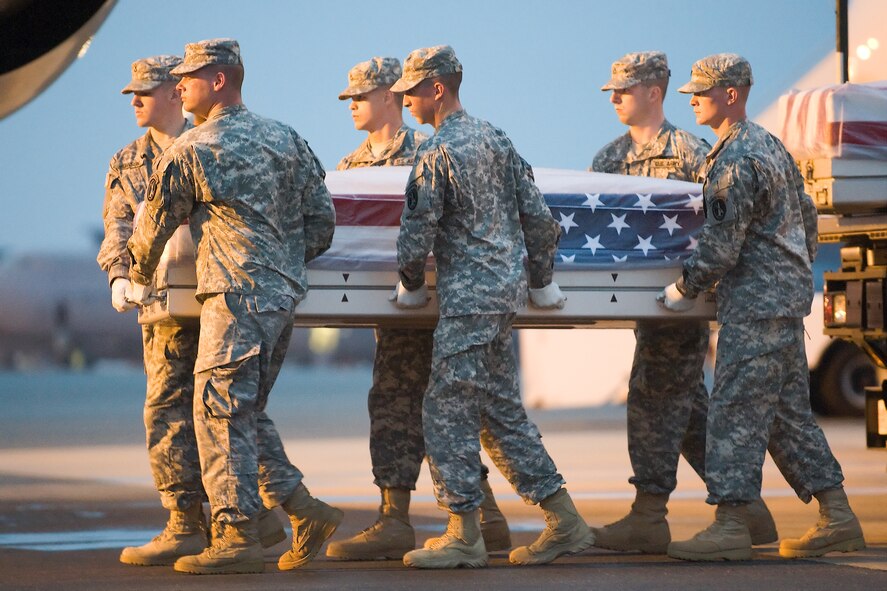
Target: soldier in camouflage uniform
{"points": [[667, 398], [170, 346], [259, 210], [757, 246], [403, 356], [471, 198]]}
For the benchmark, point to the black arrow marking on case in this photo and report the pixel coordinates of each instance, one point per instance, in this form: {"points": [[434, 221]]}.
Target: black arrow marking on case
{"points": [[613, 299], [345, 297], [614, 276], [345, 276]]}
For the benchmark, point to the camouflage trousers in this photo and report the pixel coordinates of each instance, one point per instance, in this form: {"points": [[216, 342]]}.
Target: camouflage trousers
{"points": [[243, 341], [473, 399], [760, 403], [667, 403], [400, 377], [170, 350]]}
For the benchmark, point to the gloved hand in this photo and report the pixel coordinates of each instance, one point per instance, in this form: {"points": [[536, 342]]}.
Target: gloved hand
{"points": [[406, 299], [548, 297], [672, 299], [141, 295], [119, 289]]}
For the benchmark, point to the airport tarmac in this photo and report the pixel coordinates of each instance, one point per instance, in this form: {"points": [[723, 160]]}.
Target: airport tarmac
{"points": [[69, 502]]}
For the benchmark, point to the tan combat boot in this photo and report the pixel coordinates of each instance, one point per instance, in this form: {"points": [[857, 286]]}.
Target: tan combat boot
{"points": [[270, 528], [644, 529], [725, 539], [184, 535], [565, 533], [493, 526], [313, 522], [461, 545], [837, 530], [235, 550], [761, 526], [389, 538]]}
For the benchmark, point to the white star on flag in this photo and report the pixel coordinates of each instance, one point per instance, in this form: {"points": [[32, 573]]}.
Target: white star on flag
{"points": [[593, 243], [592, 201], [618, 223], [645, 244], [645, 202], [671, 224], [693, 244], [567, 222], [695, 202], [568, 259], [620, 259]]}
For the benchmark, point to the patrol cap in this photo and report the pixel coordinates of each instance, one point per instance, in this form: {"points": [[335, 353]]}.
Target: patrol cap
{"points": [[370, 75], [635, 68], [720, 69], [151, 72], [427, 62], [223, 52]]}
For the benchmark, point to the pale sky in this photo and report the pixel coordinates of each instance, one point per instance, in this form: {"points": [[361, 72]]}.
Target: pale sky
{"points": [[532, 68]]}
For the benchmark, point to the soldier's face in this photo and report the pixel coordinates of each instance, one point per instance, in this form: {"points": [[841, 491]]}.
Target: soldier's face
{"points": [[152, 107], [196, 89], [709, 106], [367, 110], [420, 100], [631, 104]]}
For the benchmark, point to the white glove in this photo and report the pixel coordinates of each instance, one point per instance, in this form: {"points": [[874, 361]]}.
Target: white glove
{"points": [[671, 299], [548, 297], [406, 299], [141, 295], [119, 289]]}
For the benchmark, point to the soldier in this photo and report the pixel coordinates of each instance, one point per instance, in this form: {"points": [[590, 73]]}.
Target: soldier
{"points": [[667, 398], [403, 356], [757, 246], [259, 210], [470, 196], [170, 346]]}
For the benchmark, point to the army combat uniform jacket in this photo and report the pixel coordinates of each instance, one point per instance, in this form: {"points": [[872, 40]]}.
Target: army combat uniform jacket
{"points": [[475, 223], [400, 152], [125, 187], [759, 237]]}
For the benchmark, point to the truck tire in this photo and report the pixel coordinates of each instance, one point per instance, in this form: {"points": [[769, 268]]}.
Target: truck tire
{"points": [[837, 386]]}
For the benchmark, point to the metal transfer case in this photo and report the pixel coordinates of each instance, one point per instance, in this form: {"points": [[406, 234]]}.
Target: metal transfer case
{"points": [[350, 284]]}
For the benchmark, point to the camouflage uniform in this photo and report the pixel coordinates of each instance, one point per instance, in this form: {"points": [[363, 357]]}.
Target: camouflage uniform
{"points": [[471, 199], [402, 360], [757, 245], [258, 208], [667, 398], [170, 347]]}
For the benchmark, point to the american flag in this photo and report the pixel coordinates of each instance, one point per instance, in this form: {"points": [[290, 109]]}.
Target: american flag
{"points": [[607, 220]]}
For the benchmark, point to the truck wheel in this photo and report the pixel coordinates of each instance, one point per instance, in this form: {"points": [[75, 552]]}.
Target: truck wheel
{"points": [[838, 384]]}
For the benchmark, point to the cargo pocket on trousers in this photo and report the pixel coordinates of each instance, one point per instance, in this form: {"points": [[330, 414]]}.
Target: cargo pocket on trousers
{"points": [[232, 389]]}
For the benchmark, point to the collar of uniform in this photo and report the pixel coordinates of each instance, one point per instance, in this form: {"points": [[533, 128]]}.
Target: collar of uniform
{"points": [[731, 132], [652, 149], [148, 146], [452, 118], [227, 111]]}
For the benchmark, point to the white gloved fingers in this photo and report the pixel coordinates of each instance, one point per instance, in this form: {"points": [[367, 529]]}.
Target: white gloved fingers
{"points": [[141, 295], [119, 289], [674, 300], [406, 299], [548, 297]]}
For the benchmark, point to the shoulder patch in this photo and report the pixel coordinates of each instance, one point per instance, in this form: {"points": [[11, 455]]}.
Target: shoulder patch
{"points": [[151, 193], [412, 194]]}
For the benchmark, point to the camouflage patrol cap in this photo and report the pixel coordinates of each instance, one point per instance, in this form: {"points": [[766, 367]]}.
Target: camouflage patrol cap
{"points": [[151, 72], [370, 75], [223, 52], [427, 62], [720, 69], [635, 68]]}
